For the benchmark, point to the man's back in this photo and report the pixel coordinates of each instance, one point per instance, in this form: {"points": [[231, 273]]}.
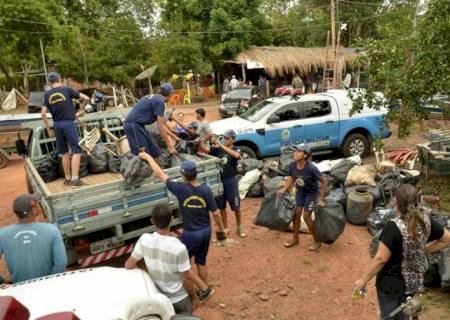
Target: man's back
{"points": [[32, 250], [165, 258], [60, 104], [146, 110]]}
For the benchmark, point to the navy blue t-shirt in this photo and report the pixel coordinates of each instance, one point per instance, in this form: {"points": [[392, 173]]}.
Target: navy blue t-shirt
{"points": [[229, 163], [59, 103], [195, 203], [146, 110], [307, 179]]}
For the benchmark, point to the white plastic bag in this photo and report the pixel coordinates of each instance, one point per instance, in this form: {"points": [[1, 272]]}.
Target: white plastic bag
{"points": [[247, 182]]}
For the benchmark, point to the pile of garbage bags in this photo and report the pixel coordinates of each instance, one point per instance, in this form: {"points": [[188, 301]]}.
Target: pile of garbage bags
{"points": [[276, 212], [47, 167]]}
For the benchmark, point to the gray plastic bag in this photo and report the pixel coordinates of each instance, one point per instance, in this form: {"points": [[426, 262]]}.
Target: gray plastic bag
{"points": [[286, 158], [134, 170], [98, 160], [276, 212], [272, 186]]}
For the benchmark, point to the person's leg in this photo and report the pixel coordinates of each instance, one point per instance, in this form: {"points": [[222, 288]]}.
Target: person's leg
{"points": [[132, 137], [66, 165], [200, 261], [235, 204], [310, 201], [224, 215], [62, 149], [76, 158], [300, 199], [73, 140], [184, 306], [191, 240], [222, 206], [388, 303]]}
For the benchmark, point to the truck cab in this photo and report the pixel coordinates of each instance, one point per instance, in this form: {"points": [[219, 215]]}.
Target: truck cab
{"points": [[322, 121]]}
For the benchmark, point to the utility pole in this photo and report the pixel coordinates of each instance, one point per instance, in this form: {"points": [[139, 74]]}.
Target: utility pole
{"points": [[333, 25], [43, 58]]}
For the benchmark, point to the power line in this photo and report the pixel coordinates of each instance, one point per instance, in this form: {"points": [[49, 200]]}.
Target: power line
{"points": [[363, 3]]}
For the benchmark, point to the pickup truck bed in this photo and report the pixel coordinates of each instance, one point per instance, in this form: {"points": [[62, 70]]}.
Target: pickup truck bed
{"points": [[57, 186]]}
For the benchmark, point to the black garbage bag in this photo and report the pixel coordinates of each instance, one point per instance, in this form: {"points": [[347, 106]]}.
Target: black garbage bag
{"points": [[341, 169], [113, 164], [431, 276], [84, 166], [48, 167], [329, 222], [373, 246], [272, 185], [165, 159], [333, 183], [276, 212], [443, 267], [378, 219], [98, 160], [337, 195], [182, 146], [257, 190], [134, 170], [286, 158], [250, 164]]}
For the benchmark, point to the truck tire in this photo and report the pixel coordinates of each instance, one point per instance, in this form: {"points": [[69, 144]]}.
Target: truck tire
{"points": [[247, 152], [355, 144]]}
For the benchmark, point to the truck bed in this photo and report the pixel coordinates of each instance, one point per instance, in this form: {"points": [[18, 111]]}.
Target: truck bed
{"points": [[57, 186]]}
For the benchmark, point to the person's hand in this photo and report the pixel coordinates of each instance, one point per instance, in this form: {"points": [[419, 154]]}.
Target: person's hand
{"points": [[144, 155], [195, 303], [50, 133], [359, 284], [172, 150], [280, 192], [80, 113], [321, 203]]}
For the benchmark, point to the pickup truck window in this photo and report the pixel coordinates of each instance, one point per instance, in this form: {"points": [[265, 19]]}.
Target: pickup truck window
{"points": [[313, 109], [255, 113], [290, 112]]}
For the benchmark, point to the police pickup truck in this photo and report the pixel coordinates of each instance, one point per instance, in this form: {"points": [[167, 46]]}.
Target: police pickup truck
{"points": [[322, 121]]}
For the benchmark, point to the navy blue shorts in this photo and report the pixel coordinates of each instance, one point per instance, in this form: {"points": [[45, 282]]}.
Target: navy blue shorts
{"points": [[138, 137], [306, 200], [230, 194], [66, 135], [197, 243]]}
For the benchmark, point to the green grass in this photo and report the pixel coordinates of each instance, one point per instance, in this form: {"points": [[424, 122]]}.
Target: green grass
{"points": [[438, 185]]}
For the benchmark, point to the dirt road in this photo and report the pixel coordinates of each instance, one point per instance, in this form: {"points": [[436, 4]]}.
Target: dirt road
{"points": [[257, 278]]}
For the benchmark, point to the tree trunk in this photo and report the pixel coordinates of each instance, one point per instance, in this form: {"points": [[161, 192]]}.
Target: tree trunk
{"points": [[25, 69], [400, 121], [5, 71]]}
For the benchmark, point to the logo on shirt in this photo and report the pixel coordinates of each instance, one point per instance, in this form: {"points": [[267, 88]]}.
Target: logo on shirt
{"points": [[300, 181], [56, 97], [25, 236], [224, 161], [194, 202]]}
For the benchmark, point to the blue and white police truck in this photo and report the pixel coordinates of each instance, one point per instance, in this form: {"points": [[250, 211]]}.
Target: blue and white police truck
{"points": [[321, 120]]}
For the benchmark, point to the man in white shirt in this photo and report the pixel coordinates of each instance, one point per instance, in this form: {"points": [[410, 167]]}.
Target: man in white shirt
{"points": [[234, 83], [167, 262]]}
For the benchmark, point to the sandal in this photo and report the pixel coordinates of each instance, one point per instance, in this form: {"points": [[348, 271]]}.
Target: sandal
{"points": [[291, 243]]}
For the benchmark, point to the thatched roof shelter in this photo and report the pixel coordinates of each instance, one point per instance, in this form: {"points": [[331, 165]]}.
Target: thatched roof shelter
{"points": [[280, 61]]}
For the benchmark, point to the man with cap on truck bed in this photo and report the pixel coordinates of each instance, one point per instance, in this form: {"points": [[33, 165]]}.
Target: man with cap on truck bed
{"points": [[58, 100], [31, 249], [148, 109]]}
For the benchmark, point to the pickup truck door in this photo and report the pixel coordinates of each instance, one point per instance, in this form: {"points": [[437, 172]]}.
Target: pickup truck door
{"points": [[320, 123], [285, 132]]}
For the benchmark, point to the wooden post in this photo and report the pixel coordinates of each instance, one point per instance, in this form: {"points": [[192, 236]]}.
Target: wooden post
{"points": [[333, 25], [43, 59], [335, 63], [150, 88], [244, 76], [114, 97], [124, 97]]}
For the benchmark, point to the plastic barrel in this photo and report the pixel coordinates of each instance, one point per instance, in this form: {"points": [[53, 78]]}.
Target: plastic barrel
{"points": [[359, 206]]}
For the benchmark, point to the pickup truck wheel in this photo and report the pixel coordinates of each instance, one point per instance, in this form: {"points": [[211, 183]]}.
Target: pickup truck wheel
{"points": [[247, 151], [355, 144]]}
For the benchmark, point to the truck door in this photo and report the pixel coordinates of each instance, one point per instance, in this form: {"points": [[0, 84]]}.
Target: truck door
{"points": [[320, 123], [287, 131]]}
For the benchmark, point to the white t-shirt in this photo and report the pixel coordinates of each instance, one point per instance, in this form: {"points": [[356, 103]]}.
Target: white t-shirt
{"points": [[165, 258]]}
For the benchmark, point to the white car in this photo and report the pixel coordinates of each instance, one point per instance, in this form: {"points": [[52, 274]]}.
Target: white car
{"points": [[102, 293]]}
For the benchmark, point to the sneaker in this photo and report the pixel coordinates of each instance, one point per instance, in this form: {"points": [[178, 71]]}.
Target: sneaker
{"points": [[77, 183], [67, 182], [206, 294], [315, 246], [240, 231]]}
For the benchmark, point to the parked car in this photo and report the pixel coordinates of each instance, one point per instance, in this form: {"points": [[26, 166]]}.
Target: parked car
{"points": [[322, 121], [35, 101], [103, 293], [231, 101]]}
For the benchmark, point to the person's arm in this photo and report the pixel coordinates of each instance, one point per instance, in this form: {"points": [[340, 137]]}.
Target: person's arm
{"points": [[212, 207], [172, 134], [84, 101], [188, 283], [135, 256], [377, 263], [131, 263], [163, 130], [155, 167], [287, 184], [323, 190], [44, 110], [59, 254], [185, 127], [439, 244], [235, 154]]}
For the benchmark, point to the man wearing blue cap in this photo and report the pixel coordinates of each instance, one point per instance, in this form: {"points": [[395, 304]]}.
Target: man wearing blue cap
{"points": [[58, 100], [195, 201], [230, 155], [308, 182], [148, 109]]}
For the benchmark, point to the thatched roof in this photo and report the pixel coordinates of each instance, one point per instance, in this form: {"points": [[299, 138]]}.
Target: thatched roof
{"points": [[279, 61]]}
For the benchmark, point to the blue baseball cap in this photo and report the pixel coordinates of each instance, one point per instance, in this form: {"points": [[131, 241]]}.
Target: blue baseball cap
{"points": [[230, 133], [188, 168], [304, 148], [166, 89], [192, 125], [53, 77]]}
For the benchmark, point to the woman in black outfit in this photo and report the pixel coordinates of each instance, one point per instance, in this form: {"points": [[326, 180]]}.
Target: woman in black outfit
{"points": [[399, 263]]}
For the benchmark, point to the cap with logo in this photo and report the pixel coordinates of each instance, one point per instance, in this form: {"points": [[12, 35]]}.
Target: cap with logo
{"points": [[230, 133], [188, 168], [303, 147], [192, 125], [22, 204], [166, 89], [53, 77]]}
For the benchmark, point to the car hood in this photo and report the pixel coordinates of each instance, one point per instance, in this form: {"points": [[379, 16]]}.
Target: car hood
{"points": [[238, 124], [233, 101]]}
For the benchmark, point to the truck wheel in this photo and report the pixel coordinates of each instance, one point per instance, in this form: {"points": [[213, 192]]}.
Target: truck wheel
{"points": [[355, 144], [247, 152], [3, 160]]}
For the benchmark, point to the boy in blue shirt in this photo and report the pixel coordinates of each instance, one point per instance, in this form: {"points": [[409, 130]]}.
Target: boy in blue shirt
{"points": [[58, 100], [148, 109], [230, 155], [195, 201], [31, 249]]}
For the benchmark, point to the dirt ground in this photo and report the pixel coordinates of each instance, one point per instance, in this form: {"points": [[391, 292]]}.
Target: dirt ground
{"points": [[257, 278]]}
